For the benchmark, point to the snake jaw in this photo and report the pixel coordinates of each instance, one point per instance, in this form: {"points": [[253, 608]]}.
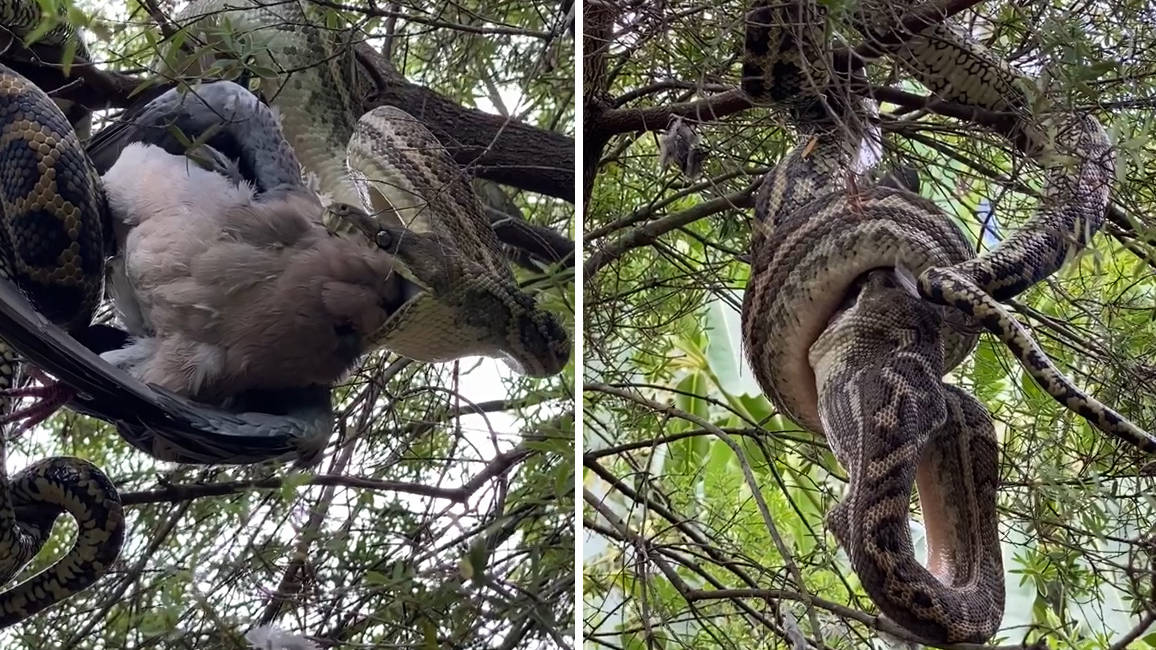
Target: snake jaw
{"points": [[480, 313], [546, 341], [486, 320]]}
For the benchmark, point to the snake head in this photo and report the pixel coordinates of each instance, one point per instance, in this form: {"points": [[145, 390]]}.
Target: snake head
{"points": [[492, 316], [469, 311], [459, 307], [538, 343]]}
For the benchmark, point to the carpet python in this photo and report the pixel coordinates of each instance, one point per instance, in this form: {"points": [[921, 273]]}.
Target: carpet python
{"points": [[861, 361], [52, 247], [878, 367], [388, 162]]}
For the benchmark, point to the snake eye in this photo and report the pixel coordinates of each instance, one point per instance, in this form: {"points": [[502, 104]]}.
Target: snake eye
{"points": [[383, 238]]}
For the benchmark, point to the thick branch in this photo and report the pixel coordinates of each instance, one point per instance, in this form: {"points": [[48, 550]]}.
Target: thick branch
{"points": [[494, 147], [539, 242], [652, 118], [720, 105], [598, 20]]}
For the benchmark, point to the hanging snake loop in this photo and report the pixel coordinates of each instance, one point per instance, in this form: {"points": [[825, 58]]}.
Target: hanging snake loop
{"points": [[847, 350]]}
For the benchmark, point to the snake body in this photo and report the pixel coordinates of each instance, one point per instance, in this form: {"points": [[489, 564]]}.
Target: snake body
{"points": [[871, 385], [389, 163], [1071, 212], [815, 231], [470, 303], [1079, 167], [319, 88], [51, 245], [878, 367], [862, 363]]}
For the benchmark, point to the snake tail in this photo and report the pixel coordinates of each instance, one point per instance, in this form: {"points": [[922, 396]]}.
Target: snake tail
{"points": [[959, 292], [884, 351], [42, 492]]}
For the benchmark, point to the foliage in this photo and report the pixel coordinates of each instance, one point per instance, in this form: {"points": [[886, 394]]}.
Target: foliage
{"points": [[442, 513], [679, 550]]}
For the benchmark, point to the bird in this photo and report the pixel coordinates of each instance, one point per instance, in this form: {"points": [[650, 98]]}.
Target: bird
{"points": [[682, 147], [226, 290], [231, 290]]}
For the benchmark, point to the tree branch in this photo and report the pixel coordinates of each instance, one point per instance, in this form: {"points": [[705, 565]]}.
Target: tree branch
{"points": [[843, 60], [177, 493], [493, 147], [496, 148], [647, 234]]}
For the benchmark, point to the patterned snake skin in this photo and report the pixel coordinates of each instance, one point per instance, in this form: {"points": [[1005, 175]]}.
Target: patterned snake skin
{"points": [[878, 368], [52, 247], [444, 243], [1072, 210], [391, 164], [845, 349]]}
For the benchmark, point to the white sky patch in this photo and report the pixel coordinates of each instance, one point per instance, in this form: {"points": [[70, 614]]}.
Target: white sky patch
{"points": [[510, 96]]}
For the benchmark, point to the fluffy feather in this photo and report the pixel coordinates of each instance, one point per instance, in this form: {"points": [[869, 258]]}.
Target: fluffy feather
{"points": [[680, 146], [229, 291]]}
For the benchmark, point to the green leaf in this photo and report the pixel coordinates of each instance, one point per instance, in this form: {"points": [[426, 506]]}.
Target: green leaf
{"points": [[376, 579], [293, 480]]}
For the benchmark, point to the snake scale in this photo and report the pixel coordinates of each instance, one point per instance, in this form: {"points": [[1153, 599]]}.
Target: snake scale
{"points": [[52, 246], [466, 300], [839, 340], [387, 161]]}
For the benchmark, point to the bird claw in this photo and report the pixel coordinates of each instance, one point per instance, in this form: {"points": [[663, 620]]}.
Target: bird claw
{"points": [[50, 395]]}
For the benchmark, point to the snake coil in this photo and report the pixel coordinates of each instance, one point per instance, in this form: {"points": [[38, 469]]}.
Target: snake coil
{"points": [[51, 246], [847, 351]]}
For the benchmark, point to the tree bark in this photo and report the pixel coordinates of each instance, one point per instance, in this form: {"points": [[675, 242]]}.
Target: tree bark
{"points": [[598, 22], [496, 148], [492, 147]]}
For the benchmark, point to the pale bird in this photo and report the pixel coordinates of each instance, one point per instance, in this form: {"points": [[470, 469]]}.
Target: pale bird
{"points": [[227, 290], [232, 291]]}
